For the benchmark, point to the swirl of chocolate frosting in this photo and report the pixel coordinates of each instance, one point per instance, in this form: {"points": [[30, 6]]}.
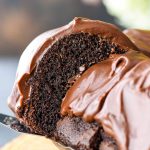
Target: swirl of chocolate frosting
{"points": [[38, 47], [125, 113], [115, 93]]}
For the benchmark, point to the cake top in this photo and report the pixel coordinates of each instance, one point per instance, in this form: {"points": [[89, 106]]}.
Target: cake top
{"points": [[38, 47], [112, 93]]}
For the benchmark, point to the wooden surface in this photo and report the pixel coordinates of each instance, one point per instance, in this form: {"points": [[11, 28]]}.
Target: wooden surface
{"points": [[31, 142]]}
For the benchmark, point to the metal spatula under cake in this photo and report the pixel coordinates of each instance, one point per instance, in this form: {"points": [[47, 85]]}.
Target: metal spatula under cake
{"points": [[13, 124]]}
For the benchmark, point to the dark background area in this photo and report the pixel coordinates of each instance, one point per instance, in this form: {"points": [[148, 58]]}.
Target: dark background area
{"points": [[23, 20]]}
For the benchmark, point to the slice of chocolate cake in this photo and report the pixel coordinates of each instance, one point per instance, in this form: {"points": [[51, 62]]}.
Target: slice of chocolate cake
{"points": [[50, 65]]}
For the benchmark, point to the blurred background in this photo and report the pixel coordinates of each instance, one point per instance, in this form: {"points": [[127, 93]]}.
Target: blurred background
{"points": [[23, 20]]}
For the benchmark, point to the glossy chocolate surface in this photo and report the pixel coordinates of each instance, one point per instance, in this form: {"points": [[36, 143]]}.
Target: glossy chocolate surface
{"points": [[115, 93], [141, 38]]}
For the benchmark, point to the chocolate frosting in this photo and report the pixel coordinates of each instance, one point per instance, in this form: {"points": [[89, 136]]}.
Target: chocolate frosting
{"points": [[141, 38], [125, 113], [115, 93], [38, 47]]}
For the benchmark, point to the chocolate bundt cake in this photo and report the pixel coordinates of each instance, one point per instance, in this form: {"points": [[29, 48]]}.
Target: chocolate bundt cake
{"points": [[68, 77]]}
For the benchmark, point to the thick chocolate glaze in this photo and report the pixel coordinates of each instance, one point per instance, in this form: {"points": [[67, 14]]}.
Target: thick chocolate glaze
{"points": [[115, 93], [125, 113], [141, 38], [38, 47]]}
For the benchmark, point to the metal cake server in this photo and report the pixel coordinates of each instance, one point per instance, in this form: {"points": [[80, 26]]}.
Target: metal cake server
{"points": [[6, 120], [10, 122]]}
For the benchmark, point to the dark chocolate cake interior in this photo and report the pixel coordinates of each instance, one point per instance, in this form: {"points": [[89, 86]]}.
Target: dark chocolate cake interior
{"points": [[58, 69]]}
